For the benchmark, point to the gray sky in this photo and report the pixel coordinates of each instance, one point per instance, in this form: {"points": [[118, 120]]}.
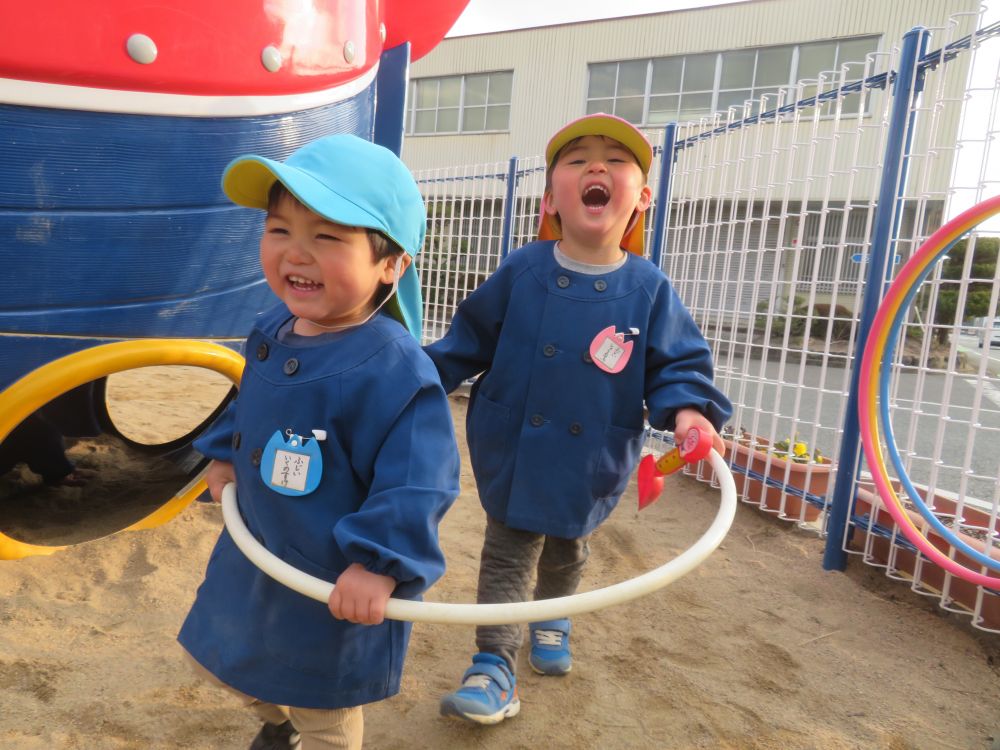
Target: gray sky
{"points": [[503, 15]]}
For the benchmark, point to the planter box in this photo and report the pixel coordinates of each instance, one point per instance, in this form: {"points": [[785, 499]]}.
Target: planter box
{"points": [[793, 490], [902, 557]]}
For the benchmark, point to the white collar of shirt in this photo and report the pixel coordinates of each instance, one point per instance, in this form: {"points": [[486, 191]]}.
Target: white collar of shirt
{"points": [[586, 268]]}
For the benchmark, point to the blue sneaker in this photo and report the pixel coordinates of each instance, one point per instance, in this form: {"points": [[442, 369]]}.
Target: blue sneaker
{"points": [[550, 647], [488, 694]]}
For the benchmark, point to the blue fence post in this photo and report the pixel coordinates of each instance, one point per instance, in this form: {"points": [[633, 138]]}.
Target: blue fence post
{"points": [[887, 215], [390, 97], [663, 193], [508, 209]]}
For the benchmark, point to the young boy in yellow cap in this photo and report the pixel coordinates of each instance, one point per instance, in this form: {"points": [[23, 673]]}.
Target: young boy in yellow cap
{"points": [[574, 335], [340, 443]]}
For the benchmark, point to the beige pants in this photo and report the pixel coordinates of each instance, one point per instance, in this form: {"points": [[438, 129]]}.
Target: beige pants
{"points": [[320, 728]]}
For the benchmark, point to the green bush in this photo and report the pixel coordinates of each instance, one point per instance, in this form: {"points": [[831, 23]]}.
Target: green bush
{"points": [[837, 319]]}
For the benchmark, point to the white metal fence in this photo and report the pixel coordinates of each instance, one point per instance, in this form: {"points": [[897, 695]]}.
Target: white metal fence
{"points": [[769, 216]]}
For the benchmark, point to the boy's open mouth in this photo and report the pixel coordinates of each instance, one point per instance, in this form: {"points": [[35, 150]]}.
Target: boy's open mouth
{"points": [[596, 196], [303, 285]]}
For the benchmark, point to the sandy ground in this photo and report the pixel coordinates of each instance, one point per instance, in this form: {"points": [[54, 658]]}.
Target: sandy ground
{"points": [[758, 648]]}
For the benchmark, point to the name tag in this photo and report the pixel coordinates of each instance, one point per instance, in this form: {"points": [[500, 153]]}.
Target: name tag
{"points": [[291, 466], [610, 351]]}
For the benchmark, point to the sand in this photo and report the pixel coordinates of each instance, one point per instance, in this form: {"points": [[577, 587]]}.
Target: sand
{"points": [[758, 648]]}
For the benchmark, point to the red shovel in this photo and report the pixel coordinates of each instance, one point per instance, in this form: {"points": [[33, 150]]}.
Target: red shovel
{"points": [[695, 447]]}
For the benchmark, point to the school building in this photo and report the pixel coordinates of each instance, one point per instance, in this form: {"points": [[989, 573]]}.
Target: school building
{"points": [[486, 97], [481, 99]]}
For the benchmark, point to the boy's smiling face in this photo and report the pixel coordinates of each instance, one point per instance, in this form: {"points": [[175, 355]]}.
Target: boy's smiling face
{"points": [[325, 273], [595, 186]]}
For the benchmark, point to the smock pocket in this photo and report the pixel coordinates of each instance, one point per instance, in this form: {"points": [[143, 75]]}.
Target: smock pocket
{"points": [[486, 432], [300, 633], [617, 459]]}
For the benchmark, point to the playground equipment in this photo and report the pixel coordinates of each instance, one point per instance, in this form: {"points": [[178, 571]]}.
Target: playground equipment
{"points": [[501, 614], [116, 132], [66, 373], [873, 404]]}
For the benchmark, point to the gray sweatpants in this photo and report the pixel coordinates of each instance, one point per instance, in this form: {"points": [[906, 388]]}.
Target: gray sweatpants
{"points": [[510, 558]]}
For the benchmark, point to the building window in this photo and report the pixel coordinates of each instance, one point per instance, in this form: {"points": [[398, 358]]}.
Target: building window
{"points": [[475, 103], [685, 87]]}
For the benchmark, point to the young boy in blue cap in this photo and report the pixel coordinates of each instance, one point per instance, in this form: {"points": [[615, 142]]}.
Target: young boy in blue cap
{"points": [[340, 443], [574, 336]]}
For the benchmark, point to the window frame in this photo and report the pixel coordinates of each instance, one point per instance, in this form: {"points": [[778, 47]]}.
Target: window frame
{"points": [[412, 110], [717, 91]]}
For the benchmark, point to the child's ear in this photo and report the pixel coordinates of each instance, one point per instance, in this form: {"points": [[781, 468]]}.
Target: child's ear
{"points": [[547, 206], [645, 199], [389, 267]]}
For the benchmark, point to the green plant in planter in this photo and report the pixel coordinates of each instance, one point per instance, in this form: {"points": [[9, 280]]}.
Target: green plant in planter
{"points": [[790, 449], [793, 449]]}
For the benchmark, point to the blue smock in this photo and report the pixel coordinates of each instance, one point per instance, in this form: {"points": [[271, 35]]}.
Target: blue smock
{"points": [[390, 471], [552, 437]]}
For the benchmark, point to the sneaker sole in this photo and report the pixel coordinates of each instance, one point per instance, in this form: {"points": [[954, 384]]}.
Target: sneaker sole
{"points": [[508, 711], [542, 672]]}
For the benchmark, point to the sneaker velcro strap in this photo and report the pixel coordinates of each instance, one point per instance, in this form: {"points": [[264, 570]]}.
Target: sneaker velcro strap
{"points": [[498, 674], [563, 626]]}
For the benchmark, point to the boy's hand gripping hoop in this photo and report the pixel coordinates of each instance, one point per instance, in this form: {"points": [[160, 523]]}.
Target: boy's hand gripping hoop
{"points": [[696, 446]]}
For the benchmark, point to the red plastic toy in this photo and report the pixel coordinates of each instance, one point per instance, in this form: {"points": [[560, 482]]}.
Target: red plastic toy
{"points": [[697, 443]]}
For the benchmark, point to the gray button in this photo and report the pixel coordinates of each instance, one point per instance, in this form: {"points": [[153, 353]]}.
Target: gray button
{"points": [[291, 366], [549, 350], [262, 352], [537, 420], [576, 428], [562, 282], [587, 358], [600, 285], [237, 439], [256, 456]]}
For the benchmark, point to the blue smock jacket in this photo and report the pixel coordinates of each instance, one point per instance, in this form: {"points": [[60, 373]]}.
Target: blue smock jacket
{"points": [[390, 471], [553, 438]]}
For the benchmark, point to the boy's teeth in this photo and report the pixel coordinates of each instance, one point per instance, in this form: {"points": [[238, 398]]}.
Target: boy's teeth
{"points": [[596, 195], [299, 281]]}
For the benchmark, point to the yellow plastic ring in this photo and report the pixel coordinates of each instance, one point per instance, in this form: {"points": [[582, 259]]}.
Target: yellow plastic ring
{"points": [[37, 388]]}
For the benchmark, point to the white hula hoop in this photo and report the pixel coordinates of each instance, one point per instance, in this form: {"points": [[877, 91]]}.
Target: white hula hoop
{"points": [[501, 614]]}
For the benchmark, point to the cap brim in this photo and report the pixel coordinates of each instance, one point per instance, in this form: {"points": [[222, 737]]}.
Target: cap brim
{"points": [[247, 181], [606, 125]]}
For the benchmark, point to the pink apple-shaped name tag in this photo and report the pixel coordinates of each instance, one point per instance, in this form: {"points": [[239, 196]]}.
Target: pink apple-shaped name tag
{"points": [[610, 351]]}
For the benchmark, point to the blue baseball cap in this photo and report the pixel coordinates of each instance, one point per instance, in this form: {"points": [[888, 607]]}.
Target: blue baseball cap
{"points": [[353, 182]]}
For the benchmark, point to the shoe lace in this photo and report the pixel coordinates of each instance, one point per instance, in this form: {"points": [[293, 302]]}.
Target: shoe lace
{"points": [[549, 637], [478, 681]]}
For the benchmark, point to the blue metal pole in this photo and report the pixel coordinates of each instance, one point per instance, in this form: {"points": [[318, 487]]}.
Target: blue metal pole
{"points": [[876, 281], [667, 157], [390, 97], [508, 209]]}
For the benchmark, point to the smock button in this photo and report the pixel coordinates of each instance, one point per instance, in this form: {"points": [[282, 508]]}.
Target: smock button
{"points": [[291, 366], [587, 358], [262, 352], [255, 456], [537, 420], [237, 439], [576, 428], [549, 350], [600, 285], [562, 282]]}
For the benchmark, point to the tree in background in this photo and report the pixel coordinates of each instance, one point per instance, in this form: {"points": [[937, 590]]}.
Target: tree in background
{"points": [[982, 277]]}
